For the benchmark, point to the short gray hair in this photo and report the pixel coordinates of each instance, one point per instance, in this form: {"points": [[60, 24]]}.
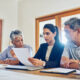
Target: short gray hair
{"points": [[15, 33], [74, 23]]}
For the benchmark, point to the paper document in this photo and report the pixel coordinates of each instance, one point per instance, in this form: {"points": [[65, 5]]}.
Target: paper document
{"points": [[23, 54], [59, 70]]}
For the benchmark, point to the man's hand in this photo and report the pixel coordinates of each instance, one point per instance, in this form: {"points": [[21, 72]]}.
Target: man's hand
{"points": [[36, 62], [64, 62], [74, 64], [69, 63]]}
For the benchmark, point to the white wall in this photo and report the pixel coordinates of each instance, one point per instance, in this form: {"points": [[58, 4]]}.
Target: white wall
{"points": [[31, 9], [8, 13]]}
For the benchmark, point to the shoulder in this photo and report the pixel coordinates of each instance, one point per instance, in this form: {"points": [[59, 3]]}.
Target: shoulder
{"points": [[43, 45], [9, 47]]}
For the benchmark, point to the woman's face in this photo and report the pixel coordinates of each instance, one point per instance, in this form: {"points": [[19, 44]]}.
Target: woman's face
{"points": [[18, 41], [48, 35]]}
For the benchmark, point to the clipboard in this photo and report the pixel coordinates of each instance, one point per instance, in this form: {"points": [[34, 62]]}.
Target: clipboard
{"points": [[17, 67], [59, 71]]}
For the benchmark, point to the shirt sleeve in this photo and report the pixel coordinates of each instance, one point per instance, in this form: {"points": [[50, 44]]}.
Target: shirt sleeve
{"points": [[66, 52], [3, 55]]}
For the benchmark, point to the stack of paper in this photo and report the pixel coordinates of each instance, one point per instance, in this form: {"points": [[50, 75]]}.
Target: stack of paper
{"points": [[23, 54]]}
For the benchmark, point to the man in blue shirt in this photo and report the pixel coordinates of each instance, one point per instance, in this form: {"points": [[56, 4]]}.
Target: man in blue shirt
{"points": [[8, 56]]}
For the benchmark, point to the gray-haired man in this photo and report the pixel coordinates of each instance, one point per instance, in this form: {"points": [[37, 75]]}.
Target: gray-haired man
{"points": [[71, 54], [8, 56]]}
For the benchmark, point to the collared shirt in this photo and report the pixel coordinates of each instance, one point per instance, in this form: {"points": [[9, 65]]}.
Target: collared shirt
{"points": [[72, 51], [7, 55]]}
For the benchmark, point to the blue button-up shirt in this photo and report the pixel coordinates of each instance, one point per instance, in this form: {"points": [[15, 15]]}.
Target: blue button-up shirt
{"points": [[7, 55]]}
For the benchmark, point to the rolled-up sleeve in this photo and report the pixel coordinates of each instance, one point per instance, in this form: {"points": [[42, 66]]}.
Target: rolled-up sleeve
{"points": [[65, 52], [3, 55]]}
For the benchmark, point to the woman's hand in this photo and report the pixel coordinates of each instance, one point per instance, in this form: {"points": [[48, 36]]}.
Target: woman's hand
{"points": [[11, 62], [36, 62], [13, 54]]}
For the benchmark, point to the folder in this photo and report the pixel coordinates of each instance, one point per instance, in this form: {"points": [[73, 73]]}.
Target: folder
{"points": [[19, 67], [59, 70]]}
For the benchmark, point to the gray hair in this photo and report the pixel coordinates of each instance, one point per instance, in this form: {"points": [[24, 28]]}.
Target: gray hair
{"points": [[74, 23], [15, 33]]}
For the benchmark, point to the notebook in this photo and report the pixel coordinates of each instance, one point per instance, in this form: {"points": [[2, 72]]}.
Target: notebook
{"points": [[59, 70]]}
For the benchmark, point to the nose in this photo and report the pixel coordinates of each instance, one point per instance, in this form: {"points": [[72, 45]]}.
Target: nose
{"points": [[45, 36]]}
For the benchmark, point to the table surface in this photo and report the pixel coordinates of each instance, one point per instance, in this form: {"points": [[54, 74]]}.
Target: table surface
{"points": [[37, 72], [6, 74]]}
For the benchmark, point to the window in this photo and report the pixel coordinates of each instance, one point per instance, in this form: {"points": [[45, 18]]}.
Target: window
{"points": [[57, 19]]}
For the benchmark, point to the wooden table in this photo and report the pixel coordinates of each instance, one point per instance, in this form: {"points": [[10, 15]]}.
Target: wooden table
{"points": [[68, 76]]}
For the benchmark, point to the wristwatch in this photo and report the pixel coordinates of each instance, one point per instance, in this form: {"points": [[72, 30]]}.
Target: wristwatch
{"points": [[79, 65]]}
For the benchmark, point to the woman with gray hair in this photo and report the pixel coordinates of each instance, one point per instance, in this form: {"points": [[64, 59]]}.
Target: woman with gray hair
{"points": [[8, 56]]}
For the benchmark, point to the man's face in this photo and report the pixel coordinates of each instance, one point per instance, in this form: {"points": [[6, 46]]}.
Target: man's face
{"points": [[18, 41], [48, 35], [73, 35]]}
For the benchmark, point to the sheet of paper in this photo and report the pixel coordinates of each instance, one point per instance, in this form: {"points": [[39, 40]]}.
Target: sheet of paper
{"points": [[59, 70], [23, 54]]}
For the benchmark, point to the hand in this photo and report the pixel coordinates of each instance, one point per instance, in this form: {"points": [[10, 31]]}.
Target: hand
{"points": [[64, 62], [74, 64], [36, 62], [13, 54], [2, 62], [11, 62], [69, 63]]}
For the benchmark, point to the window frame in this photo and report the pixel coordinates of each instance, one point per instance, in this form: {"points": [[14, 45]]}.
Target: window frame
{"points": [[57, 17]]}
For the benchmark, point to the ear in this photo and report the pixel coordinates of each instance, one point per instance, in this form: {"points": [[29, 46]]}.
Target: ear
{"points": [[54, 33], [12, 42], [78, 30]]}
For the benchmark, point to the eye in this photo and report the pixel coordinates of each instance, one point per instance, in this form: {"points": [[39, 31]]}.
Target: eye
{"points": [[21, 39], [47, 33]]}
